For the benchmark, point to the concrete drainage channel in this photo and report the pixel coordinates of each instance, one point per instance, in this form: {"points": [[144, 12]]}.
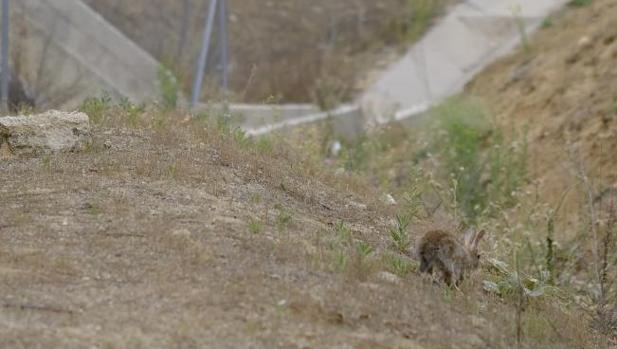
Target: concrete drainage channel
{"points": [[258, 120], [472, 35]]}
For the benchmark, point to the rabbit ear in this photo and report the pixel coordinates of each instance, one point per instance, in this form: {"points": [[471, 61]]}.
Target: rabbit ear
{"points": [[470, 235], [476, 239]]}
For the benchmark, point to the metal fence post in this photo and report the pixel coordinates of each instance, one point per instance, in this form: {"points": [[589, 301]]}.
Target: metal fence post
{"points": [[203, 56], [4, 83], [224, 44]]}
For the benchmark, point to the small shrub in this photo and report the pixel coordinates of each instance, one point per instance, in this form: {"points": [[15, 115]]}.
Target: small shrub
{"points": [[169, 87], [340, 260], [241, 138], [355, 156], [340, 246], [172, 171], [364, 249], [95, 107], [132, 111], [579, 3], [399, 235], [363, 264], [416, 17], [343, 232], [264, 145], [255, 227], [476, 158], [506, 282], [547, 23], [283, 219], [47, 162], [412, 195], [92, 209], [398, 265]]}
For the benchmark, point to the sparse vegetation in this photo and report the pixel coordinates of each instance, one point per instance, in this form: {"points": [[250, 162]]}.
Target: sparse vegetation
{"points": [[487, 171], [218, 212], [154, 223], [168, 85], [399, 234], [255, 226], [580, 3], [96, 107], [283, 218], [398, 265], [132, 111]]}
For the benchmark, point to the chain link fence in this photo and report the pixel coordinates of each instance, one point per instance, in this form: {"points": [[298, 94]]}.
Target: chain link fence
{"points": [[280, 51]]}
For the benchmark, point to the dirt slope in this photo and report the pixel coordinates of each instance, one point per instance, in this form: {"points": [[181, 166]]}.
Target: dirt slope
{"points": [[180, 235], [563, 91]]}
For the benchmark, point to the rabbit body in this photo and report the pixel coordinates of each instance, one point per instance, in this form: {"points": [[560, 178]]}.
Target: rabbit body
{"points": [[439, 250]]}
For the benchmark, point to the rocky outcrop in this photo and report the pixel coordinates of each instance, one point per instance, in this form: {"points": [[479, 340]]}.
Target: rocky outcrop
{"points": [[50, 132]]}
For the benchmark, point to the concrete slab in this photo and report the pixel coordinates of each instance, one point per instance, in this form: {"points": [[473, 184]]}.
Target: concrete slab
{"points": [[471, 36], [67, 39]]}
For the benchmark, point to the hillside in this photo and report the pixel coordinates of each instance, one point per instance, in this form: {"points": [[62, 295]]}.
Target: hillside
{"points": [[563, 91], [189, 235], [177, 231]]}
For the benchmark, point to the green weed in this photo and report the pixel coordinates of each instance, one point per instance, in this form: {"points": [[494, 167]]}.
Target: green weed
{"points": [[255, 227], [96, 107], [46, 160], [172, 171], [505, 282], [132, 111], [579, 3], [398, 265], [168, 85], [343, 232], [92, 209], [283, 218], [547, 23], [398, 234], [264, 145], [483, 168], [364, 249]]}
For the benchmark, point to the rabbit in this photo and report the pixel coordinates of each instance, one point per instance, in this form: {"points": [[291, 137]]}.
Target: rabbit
{"points": [[441, 250]]}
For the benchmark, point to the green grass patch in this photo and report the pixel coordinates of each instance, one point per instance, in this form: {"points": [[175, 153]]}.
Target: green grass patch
{"points": [[579, 3], [484, 169]]}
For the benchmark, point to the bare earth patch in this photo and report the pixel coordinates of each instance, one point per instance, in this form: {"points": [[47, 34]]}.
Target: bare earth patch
{"points": [[562, 93]]}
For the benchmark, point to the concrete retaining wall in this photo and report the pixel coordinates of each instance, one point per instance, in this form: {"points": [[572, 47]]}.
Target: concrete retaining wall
{"points": [[67, 47]]}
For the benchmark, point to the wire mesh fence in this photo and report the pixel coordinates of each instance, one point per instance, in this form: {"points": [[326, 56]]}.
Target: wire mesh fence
{"points": [[283, 51], [258, 51]]}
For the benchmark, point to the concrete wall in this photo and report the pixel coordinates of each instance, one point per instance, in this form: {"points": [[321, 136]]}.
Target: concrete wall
{"points": [[347, 121], [65, 51]]}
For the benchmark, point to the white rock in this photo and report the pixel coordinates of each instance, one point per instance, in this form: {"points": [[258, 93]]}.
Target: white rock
{"points": [[185, 233], [389, 199], [50, 132], [335, 149], [388, 277]]}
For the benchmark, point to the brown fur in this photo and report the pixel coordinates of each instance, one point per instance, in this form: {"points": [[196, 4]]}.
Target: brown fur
{"points": [[440, 250]]}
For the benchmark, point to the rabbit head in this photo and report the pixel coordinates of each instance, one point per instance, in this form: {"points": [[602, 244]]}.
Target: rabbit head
{"points": [[472, 238]]}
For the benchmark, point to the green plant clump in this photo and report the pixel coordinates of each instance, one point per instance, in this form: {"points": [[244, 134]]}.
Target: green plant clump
{"points": [[169, 87], [580, 3], [487, 171], [95, 107]]}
